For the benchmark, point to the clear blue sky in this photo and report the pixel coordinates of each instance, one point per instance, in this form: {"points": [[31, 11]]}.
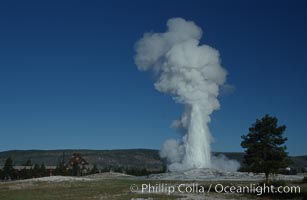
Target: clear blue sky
{"points": [[68, 80]]}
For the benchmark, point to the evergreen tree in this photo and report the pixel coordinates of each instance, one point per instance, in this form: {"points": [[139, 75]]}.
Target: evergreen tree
{"points": [[61, 169], [8, 170], [1, 174], [28, 163], [26, 173], [94, 169], [265, 152], [43, 170], [36, 171]]}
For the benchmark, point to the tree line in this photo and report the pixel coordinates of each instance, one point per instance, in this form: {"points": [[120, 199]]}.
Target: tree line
{"points": [[63, 171], [8, 172], [30, 170]]}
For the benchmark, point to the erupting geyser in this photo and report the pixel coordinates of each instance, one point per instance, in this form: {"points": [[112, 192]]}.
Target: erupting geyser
{"points": [[192, 73]]}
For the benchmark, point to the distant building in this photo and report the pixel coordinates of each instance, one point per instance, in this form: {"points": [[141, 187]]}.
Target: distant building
{"points": [[78, 165]]}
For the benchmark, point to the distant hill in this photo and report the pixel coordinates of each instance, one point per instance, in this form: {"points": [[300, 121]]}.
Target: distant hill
{"points": [[134, 158]]}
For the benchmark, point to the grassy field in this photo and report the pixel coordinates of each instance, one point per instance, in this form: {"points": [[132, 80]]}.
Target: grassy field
{"points": [[104, 189], [116, 189]]}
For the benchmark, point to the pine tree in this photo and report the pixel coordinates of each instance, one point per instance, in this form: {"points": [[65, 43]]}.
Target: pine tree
{"points": [[94, 169], [36, 171], [1, 174], [8, 170], [42, 170], [28, 163], [265, 152]]}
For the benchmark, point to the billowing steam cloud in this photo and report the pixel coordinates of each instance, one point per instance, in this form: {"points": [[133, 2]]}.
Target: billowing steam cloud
{"points": [[192, 74]]}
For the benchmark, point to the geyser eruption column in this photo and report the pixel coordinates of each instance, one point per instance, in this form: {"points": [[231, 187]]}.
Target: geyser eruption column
{"points": [[192, 74]]}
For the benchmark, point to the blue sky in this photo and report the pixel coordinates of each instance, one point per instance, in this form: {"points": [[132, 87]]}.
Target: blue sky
{"points": [[68, 79]]}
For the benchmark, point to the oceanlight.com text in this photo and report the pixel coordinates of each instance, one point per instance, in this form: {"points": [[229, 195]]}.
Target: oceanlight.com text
{"points": [[186, 188]]}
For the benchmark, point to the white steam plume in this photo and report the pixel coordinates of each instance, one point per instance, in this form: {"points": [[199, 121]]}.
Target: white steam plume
{"points": [[192, 73]]}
